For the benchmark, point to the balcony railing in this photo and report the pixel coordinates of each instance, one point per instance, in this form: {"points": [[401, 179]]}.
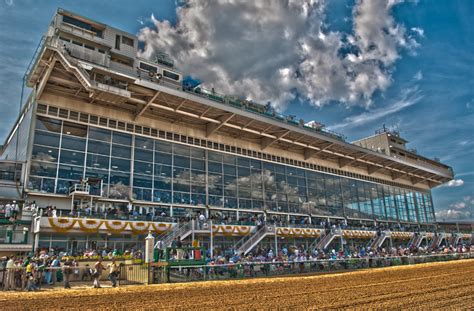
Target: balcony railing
{"points": [[80, 189], [83, 53], [78, 31]]}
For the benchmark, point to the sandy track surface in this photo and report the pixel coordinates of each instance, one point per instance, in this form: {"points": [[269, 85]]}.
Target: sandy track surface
{"points": [[446, 285]]}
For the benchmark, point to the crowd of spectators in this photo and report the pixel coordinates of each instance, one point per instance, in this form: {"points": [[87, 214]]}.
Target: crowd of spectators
{"points": [[30, 273], [300, 254]]}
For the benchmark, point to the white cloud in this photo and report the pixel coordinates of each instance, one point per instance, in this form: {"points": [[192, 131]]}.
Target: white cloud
{"points": [[418, 31], [454, 183], [458, 205], [460, 210], [408, 98], [453, 214], [274, 50], [9, 2], [418, 76]]}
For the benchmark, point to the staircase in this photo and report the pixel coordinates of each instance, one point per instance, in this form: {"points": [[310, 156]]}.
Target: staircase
{"points": [[317, 240], [416, 240], [246, 244], [437, 239], [328, 238], [456, 238], [97, 90], [378, 240], [180, 230]]}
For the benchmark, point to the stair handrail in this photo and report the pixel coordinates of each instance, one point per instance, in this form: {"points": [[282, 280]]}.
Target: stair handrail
{"points": [[321, 244], [248, 245], [178, 230], [314, 245], [242, 242]]}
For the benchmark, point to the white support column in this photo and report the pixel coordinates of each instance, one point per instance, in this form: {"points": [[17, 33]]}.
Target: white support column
{"points": [[149, 248], [193, 223], [276, 242], [212, 241]]}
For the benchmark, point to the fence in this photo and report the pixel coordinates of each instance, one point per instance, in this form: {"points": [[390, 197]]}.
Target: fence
{"points": [[176, 274], [130, 274], [18, 279], [133, 274]]}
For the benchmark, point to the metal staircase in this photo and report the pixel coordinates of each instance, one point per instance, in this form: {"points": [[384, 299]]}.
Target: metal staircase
{"points": [[328, 238], [247, 243], [417, 239], [314, 244], [437, 239], [96, 89], [180, 230], [378, 240], [455, 239]]}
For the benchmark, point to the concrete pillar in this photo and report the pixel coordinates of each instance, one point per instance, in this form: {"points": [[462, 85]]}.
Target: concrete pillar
{"points": [[149, 248]]}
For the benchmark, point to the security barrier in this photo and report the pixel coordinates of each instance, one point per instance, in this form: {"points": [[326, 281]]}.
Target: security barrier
{"points": [[267, 269]]}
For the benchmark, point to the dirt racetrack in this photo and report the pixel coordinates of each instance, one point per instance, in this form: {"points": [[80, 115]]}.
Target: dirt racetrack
{"points": [[446, 285]]}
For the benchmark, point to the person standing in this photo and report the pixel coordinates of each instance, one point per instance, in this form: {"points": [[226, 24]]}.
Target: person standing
{"points": [[10, 280], [55, 264], [8, 211], [179, 248], [30, 275], [98, 272], [113, 272], [67, 271]]}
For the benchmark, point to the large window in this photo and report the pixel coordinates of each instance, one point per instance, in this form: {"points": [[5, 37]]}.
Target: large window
{"points": [[81, 24], [172, 173]]}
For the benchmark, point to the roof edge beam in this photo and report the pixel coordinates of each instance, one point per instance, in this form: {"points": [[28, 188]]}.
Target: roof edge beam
{"points": [[46, 76], [309, 153], [148, 104], [267, 141], [211, 128]]}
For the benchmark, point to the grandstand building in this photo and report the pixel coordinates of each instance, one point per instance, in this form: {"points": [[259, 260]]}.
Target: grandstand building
{"points": [[122, 146]]}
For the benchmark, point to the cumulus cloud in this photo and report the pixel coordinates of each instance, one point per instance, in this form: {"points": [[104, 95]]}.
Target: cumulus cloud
{"points": [[460, 210], [452, 214], [418, 31], [276, 51], [454, 183]]}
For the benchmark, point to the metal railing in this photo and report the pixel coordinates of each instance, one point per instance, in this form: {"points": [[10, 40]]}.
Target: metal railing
{"points": [[264, 269], [328, 238], [244, 245], [82, 188], [179, 230]]}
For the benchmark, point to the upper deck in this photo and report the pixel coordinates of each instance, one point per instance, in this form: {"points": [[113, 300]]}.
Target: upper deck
{"points": [[81, 64]]}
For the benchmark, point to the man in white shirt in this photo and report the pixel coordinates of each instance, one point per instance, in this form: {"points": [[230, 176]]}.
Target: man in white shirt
{"points": [[10, 280], [15, 209], [8, 211]]}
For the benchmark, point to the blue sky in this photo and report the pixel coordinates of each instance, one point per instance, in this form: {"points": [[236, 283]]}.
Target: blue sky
{"points": [[419, 77]]}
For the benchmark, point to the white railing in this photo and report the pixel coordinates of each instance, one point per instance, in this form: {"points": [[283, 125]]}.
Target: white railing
{"points": [[178, 231], [80, 188], [78, 31], [247, 243], [112, 89], [324, 242], [91, 56]]}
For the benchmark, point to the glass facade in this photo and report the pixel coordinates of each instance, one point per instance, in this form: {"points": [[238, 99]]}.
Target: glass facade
{"points": [[147, 169]]}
